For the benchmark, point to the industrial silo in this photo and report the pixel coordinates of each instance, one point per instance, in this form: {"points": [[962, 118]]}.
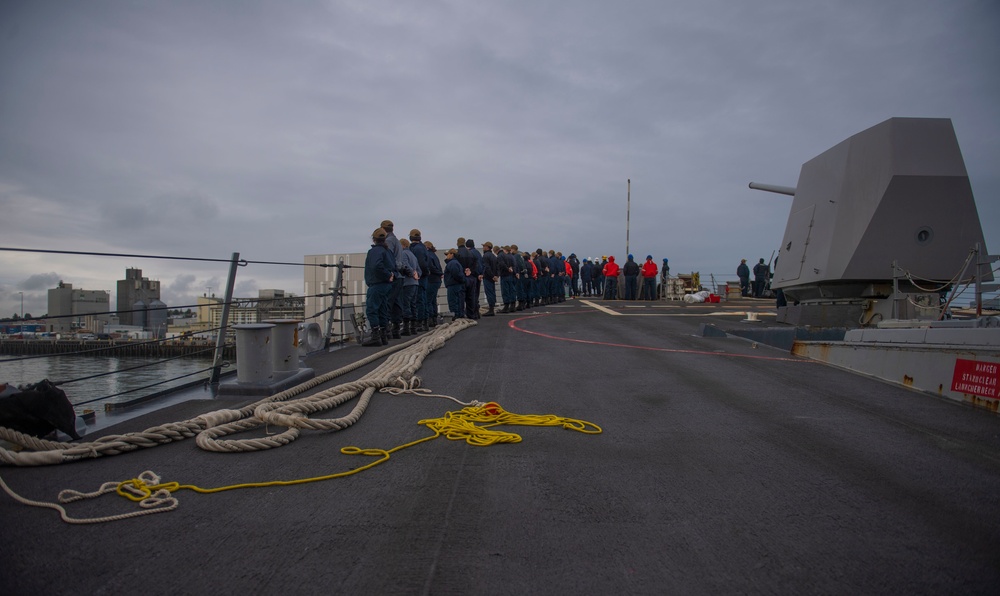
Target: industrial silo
{"points": [[156, 318], [139, 313]]}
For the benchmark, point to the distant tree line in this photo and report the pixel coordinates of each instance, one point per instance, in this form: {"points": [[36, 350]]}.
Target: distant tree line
{"points": [[27, 317]]}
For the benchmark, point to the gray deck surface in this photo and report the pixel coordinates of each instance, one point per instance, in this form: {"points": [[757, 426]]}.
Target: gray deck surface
{"points": [[724, 467]]}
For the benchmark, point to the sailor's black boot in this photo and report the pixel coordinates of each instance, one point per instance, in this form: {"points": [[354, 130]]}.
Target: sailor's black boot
{"points": [[375, 339], [395, 331], [489, 312], [384, 336], [406, 330]]}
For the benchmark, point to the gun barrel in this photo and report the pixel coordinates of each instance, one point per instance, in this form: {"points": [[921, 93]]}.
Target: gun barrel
{"points": [[781, 190]]}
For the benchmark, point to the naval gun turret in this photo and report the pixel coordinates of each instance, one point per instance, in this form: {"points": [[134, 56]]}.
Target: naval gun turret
{"points": [[887, 213], [781, 190]]}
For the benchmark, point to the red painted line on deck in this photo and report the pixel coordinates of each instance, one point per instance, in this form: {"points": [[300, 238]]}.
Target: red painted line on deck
{"points": [[513, 325]]}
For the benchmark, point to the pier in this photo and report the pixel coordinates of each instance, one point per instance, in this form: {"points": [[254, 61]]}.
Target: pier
{"points": [[110, 347]]}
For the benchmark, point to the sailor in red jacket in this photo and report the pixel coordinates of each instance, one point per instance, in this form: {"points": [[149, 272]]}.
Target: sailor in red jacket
{"points": [[649, 272], [611, 270]]}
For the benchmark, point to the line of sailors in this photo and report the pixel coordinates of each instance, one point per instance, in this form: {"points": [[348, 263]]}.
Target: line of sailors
{"points": [[403, 278], [594, 273], [526, 279]]}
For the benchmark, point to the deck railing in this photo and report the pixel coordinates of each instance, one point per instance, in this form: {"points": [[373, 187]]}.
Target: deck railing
{"points": [[216, 342]]}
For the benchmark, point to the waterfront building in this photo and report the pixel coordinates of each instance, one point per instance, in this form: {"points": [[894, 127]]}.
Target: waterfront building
{"points": [[321, 277], [126, 332], [72, 310], [276, 304], [136, 293], [269, 304]]}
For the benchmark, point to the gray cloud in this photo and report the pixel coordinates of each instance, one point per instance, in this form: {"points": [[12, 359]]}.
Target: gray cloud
{"points": [[182, 284], [201, 129], [41, 281], [184, 289], [246, 288]]}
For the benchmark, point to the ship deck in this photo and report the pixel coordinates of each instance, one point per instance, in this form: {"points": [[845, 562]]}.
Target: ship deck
{"points": [[724, 466]]}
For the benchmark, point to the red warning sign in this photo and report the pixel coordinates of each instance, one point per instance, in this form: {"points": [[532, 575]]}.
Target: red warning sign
{"points": [[977, 378]]}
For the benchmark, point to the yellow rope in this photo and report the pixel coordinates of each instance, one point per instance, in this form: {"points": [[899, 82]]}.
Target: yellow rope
{"points": [[456, 426], [475, 424]]}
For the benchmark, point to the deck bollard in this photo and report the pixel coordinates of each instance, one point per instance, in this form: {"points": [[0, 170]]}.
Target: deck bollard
{"points": [[267, 359], [284, 345], [253, 353]]}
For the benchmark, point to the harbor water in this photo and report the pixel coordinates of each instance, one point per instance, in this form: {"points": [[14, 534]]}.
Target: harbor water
{"points": [[93, 381]]}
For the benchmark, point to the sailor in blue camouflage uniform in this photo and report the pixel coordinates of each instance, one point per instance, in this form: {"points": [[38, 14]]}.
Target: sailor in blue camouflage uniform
{"points": [[380, 271], [455, 277], [520, 278], [491, 274], [433, 283], [557, 270], [422, 315], [396, 295], [507, 289], [411, 290], [587, 275], [472, 261]]}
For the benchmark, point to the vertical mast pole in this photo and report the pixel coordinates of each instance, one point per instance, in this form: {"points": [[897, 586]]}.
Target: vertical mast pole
{"points": [[628, 213]]}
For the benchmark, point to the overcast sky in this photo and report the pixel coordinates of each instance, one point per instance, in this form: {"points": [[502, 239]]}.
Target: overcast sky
{"points": [[284, 129]]}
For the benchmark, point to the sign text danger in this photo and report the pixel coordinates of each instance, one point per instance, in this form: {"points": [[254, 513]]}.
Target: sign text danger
{"points": [[977, 378]]}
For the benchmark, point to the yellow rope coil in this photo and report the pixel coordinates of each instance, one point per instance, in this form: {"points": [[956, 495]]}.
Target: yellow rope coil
{"points": [[455, 426], [475, 424]]}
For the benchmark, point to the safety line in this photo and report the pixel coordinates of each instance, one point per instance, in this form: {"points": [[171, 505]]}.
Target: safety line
{"points": [[513, 325]]}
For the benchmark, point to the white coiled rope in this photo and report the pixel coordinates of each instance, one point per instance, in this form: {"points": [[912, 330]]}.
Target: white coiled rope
{"points": [[398, 370]]}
